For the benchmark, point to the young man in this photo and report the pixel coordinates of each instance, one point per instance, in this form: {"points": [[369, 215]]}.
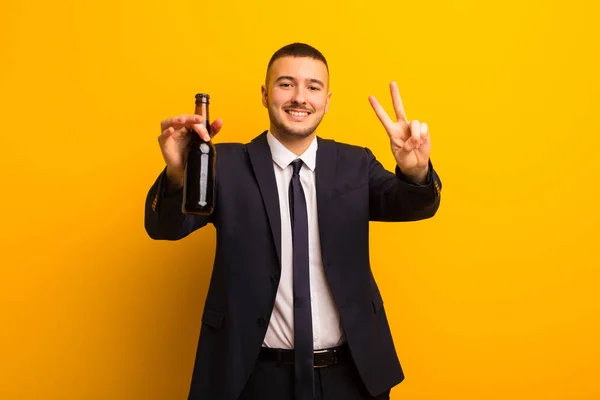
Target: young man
{"points": [[293, 310]]}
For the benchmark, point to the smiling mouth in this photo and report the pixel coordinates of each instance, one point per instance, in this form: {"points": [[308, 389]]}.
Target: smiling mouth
{"points": [[298, 113]]}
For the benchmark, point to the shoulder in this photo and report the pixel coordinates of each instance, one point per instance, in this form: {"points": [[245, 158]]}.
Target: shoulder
{"points": [[238, 148], [230, 148], [346, 150]]}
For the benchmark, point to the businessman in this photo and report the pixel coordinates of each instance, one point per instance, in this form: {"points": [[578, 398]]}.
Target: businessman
{"points": [[293, 310]]}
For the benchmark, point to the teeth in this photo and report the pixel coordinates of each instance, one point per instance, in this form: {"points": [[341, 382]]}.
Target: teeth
{"points": [[298, 114]]}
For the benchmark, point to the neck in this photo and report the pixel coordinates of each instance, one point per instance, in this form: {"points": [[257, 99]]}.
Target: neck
{"points": [[296, 145]]}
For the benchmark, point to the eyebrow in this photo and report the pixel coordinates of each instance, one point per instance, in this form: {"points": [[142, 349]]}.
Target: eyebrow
{"points": [[291, 78]]}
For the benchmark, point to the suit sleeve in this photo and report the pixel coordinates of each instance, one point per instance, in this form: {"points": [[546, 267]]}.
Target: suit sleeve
{"points": [[392, 197], [163, 217]]}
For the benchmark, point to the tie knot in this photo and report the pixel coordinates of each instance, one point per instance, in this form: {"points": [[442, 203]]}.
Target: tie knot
{"points": [[296, 165]]}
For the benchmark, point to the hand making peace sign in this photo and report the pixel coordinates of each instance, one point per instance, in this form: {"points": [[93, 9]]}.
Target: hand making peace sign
{"points": [[409, 140]]}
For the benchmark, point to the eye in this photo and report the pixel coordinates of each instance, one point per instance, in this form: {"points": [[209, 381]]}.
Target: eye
{"points": [[285, 84], [314, 88]]}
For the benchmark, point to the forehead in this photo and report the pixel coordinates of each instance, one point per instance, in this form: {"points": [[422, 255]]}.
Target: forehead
{"points": [[300, 68]]}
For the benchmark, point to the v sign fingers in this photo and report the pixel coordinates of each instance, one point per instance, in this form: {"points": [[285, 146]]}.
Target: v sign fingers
{"points": [[397, 102], [388, 124], [409, 141]]}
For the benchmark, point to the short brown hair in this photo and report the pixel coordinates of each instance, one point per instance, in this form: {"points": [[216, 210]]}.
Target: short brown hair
{"points": [[297, 50]]}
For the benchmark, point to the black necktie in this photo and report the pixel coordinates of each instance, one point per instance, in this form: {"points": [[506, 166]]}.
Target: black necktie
{"points": [[303, 340]]}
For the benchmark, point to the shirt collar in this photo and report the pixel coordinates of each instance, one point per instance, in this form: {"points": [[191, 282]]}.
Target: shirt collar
{"points": [[283, 157]]}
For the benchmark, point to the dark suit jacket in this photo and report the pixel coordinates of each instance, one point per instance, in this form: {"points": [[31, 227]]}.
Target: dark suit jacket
{"points": [[353, 188]]}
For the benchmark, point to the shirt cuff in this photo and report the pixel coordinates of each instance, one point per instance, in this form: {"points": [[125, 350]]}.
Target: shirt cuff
{"points": [[404, 178]]}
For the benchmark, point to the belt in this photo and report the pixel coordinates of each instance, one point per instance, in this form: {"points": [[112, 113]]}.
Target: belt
{"points": [[323, 358]]}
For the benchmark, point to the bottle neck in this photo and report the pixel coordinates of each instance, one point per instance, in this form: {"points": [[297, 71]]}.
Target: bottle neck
{"points": [[202, 110]]}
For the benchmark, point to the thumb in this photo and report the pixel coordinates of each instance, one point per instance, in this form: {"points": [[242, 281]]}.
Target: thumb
{"points": [[216, 126], [407, 146]]}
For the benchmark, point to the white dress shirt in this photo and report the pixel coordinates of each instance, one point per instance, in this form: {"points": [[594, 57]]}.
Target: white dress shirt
{"points": [[327, 330]]}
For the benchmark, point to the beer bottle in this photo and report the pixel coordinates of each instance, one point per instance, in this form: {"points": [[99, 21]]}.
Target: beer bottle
{"points": [[199, 178]]}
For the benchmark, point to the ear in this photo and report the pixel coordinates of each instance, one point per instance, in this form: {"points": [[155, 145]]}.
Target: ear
{"points": [[327, 103], [263, 90]]}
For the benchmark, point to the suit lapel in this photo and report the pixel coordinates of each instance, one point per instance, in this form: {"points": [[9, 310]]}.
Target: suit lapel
{"points": [[324, 180], [262, 164]]}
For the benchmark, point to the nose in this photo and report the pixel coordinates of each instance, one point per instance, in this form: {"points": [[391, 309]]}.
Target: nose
{"points": [[299, 95]]}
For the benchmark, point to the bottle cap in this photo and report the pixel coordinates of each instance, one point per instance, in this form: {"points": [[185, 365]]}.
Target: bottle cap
{"points": [[202, 96]]}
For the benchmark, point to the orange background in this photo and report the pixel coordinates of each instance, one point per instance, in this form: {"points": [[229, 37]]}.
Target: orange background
{"points": [[494, 298]]}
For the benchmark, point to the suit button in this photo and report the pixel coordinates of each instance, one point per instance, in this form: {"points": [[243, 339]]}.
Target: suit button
{"points": [[273, 278], [262, 321]]}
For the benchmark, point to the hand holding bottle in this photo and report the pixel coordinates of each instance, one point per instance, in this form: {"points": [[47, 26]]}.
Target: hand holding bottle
{"points": [[173, 141]]}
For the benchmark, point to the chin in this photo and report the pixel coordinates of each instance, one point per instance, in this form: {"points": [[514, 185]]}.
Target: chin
{"points": [[295, 133], [294, 129]]}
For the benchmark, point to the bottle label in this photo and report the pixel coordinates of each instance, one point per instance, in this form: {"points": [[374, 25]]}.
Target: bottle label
{"points": [[203, 173]]}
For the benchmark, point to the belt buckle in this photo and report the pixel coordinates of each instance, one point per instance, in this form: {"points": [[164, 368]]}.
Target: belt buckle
{"points": [[325, 351]]}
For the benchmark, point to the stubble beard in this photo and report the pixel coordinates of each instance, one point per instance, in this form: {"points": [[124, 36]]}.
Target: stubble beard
{"points": [[288, 131]]}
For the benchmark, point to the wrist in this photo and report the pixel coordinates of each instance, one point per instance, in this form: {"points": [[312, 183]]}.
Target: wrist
{"points": [[417, 175], [174, 179]]}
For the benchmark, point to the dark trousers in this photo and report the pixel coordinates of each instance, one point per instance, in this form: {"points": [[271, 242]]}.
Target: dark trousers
{"points": [[273, 381]]}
